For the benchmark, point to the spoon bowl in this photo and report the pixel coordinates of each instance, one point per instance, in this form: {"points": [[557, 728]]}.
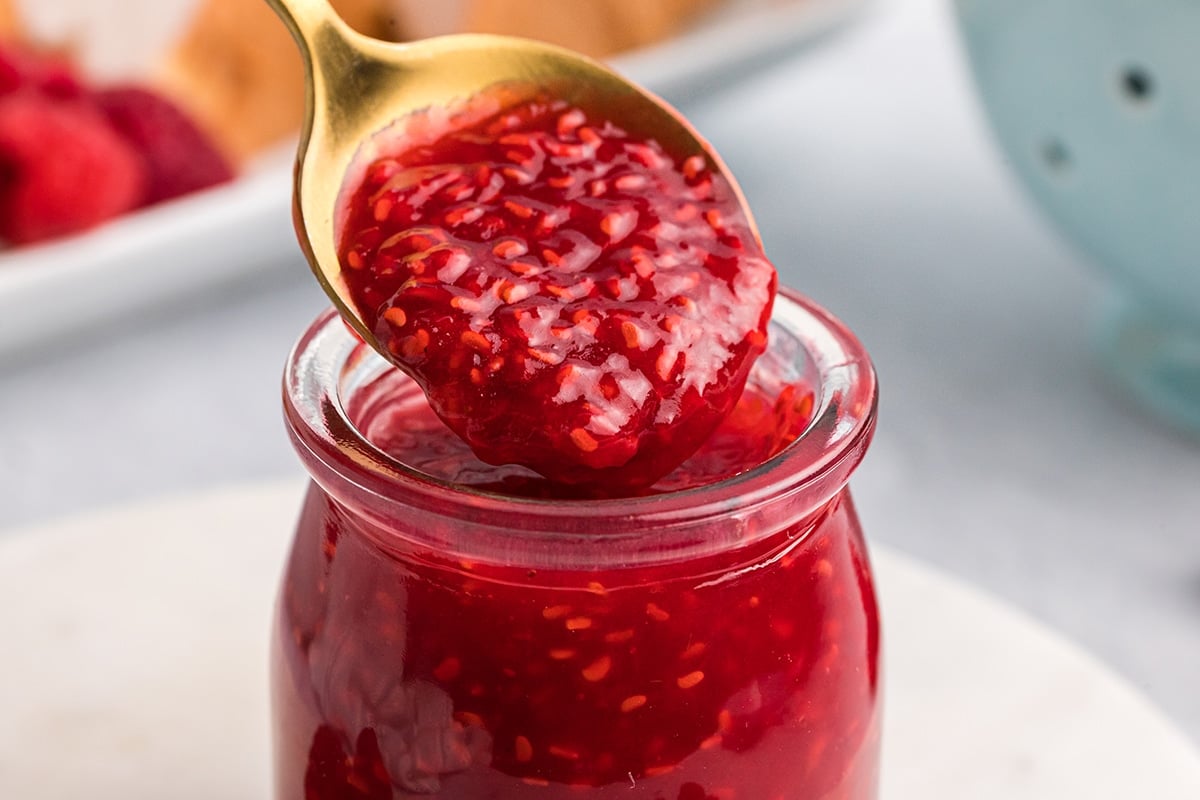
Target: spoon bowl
{"points": [[362, 90]]}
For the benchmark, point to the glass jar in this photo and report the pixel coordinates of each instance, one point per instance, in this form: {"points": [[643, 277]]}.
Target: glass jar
{"points": [[713, 643]]}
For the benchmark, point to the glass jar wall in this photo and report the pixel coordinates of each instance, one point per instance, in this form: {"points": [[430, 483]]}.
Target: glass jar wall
{"points": [[449, 629]]}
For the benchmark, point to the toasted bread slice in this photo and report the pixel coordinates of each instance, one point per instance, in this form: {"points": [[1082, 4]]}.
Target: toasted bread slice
{"points": [[420, 19], [239, 73], [9, 27], [595, 27]]}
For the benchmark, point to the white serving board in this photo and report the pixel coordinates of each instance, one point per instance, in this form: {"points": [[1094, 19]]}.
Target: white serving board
{"points": [[134, 668]]}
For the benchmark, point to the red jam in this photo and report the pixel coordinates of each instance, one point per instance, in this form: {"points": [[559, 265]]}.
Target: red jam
{"points": [[397, 419], [615, 574], [569, 295], [405, 669]]}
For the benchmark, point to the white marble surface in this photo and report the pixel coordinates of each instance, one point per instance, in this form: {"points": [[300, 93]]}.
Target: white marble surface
{"points": [[979, 702], [1001, 456]]}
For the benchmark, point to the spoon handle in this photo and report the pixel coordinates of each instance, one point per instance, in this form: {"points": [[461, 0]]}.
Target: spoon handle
{"points": [[306, 19], [331, 51]]}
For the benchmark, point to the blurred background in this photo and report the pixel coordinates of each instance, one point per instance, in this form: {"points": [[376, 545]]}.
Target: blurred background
{"points": [[1017, 448]]}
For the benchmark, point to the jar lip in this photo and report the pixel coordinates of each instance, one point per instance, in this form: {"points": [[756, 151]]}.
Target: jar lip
{"points": [[817, 464]]}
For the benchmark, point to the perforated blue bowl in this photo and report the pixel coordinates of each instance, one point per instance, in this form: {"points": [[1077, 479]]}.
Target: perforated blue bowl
{"points": [[1097, 103]]}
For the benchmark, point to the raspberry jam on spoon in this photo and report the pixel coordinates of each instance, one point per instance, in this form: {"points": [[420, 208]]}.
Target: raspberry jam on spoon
{"points": [[594, 541], [648, 293], [571, 297]]}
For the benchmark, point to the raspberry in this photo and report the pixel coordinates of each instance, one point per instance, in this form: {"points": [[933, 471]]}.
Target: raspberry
{"points": [[179, 158], [62, 168], [50, 75], [570, 296]]}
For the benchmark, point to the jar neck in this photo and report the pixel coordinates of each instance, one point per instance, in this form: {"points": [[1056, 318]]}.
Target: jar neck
{"points": [[329, 365], [408, 542]]}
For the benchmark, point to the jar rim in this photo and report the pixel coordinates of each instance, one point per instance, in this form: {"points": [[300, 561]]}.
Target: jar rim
{"points": [[805, 475]]}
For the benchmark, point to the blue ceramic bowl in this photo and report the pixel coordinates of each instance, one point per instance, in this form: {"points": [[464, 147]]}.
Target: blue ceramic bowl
{"points": [[1097, 103]]}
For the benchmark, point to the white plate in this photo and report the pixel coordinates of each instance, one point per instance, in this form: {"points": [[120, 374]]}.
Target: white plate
{"points": [[135, 669], [170, 251]]}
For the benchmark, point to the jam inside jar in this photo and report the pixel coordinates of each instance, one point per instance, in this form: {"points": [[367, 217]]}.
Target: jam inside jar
{"points": [[454, 630]]}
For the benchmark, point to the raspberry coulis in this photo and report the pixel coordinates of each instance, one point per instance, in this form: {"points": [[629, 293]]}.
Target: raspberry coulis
{"points": [[748, 674], [570, 296]]}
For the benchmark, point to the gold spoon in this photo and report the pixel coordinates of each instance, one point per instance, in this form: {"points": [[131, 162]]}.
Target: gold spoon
{"points": [[359, 86]]}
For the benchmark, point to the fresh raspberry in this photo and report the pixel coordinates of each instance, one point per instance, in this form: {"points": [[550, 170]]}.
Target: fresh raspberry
{"points": [[48, 74], [62, 168], [571, 297], [179, 157]]}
